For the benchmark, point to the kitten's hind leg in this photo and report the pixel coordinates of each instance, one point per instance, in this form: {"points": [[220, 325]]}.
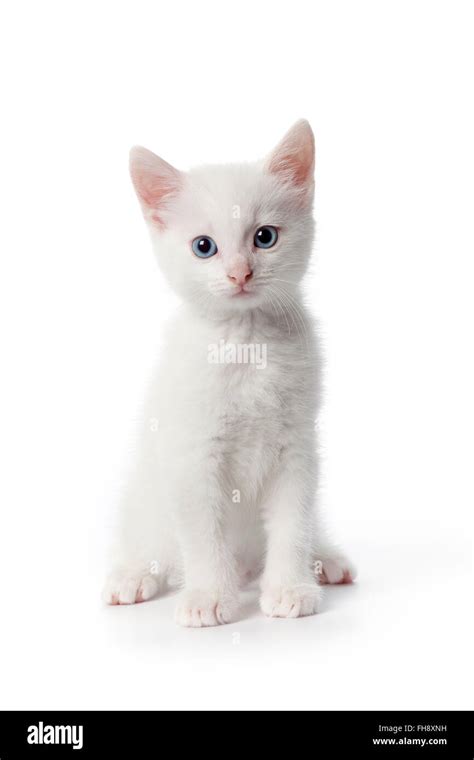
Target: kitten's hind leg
{"points": [[332, 566]]}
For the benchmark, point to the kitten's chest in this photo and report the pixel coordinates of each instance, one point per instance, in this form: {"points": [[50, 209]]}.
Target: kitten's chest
{"points": [[247, 390], [237, 397], [236, 380]]}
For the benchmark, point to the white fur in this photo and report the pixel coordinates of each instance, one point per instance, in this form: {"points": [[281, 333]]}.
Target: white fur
{"points": [[224, 484]]}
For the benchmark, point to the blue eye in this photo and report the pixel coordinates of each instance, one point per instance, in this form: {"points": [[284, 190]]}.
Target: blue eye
{"points": [[265, 237], [204, 247]]}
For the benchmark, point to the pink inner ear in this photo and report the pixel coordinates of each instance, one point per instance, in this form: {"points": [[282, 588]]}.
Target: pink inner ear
{"points": [[151, 189], [294, 156], [154, 180], [294, 166]]}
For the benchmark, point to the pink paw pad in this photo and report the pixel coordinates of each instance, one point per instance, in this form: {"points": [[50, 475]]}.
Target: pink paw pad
{"points": [[336, 572]]}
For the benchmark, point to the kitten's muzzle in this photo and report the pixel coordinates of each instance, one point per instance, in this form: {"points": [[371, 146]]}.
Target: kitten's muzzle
{"points": [[240, 276]]}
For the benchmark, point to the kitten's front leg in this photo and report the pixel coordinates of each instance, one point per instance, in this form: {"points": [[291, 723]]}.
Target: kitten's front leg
{"points": [[210, 595], [288, 584]]}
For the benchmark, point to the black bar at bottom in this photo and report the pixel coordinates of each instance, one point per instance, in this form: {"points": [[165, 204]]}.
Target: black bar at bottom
{"points": [[323, 734]]}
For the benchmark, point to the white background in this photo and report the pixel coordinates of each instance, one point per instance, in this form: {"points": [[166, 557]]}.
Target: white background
{"points": [[387, 87]]}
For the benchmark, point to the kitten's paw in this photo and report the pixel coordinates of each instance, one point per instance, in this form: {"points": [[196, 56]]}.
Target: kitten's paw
{"points": [[335, 570], [130, 588], [292, 601], [199, 609]]}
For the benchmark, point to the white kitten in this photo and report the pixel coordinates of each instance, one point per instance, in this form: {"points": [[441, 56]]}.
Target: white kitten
{"points": [[224, 487]]}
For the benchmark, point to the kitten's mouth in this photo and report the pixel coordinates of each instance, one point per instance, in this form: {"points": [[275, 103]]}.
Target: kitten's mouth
{"points": [[242, 293]]}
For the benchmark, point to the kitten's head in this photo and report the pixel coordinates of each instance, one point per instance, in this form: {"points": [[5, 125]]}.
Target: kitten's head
{"points": [[232, 237]]}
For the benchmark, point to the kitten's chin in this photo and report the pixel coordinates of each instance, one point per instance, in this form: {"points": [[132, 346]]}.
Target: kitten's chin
{"points": [[242, 299], [228, 303]]}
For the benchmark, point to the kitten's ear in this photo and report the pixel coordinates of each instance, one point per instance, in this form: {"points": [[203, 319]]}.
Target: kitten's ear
{"points": [[155, 181], [293, 158]]}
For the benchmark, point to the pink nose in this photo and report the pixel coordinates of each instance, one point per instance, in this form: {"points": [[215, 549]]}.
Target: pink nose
{"points": [[239, 275]]}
